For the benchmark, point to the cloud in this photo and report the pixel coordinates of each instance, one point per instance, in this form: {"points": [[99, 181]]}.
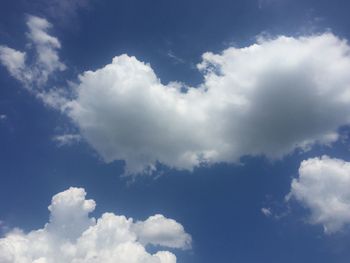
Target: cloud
{"points": [[176, 59], [67, 139], [14, 61], [46, 46], [266, 211], [159, 230], [72, 236], [323, 188], [34, 74], [269, 98]]}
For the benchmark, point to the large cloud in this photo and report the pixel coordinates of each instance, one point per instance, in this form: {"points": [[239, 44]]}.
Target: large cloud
{"points": [[269, 99], [72, 237], [323, 188]]}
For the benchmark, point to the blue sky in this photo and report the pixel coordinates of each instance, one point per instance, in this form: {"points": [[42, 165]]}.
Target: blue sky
{"points": [[210, 166]]}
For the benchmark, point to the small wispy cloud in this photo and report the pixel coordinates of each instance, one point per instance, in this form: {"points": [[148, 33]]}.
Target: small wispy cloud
{"points": [[67, 139], [35, 73], [176, 59], [266, 211]]}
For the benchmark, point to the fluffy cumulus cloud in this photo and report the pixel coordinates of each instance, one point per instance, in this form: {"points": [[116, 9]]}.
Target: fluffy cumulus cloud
{"points": [[268, 99], [323, 188], [34, 73], [71, 236]]}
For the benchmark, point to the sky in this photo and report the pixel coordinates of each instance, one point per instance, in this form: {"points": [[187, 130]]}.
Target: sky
{"points": [[174, 131]]}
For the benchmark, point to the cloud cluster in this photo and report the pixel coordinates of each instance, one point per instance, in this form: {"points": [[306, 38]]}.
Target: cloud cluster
{"points": [[268, 99], [71, 236], [323, 188], [33, 74], [271, 98]]}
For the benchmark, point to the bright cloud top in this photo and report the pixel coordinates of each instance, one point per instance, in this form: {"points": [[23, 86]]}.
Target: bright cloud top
{"points": [[71, 236], [34, 73], [323, 188], [266, 99], [269, 98]]}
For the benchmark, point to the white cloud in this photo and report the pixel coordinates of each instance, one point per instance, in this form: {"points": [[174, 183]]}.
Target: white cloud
{"points": [[46, 46], [67, 139], [323, 188], [14, 61], [162, 231], [71, 236], [268, 99], [176, 59], [266, 211], [34, 74]]}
